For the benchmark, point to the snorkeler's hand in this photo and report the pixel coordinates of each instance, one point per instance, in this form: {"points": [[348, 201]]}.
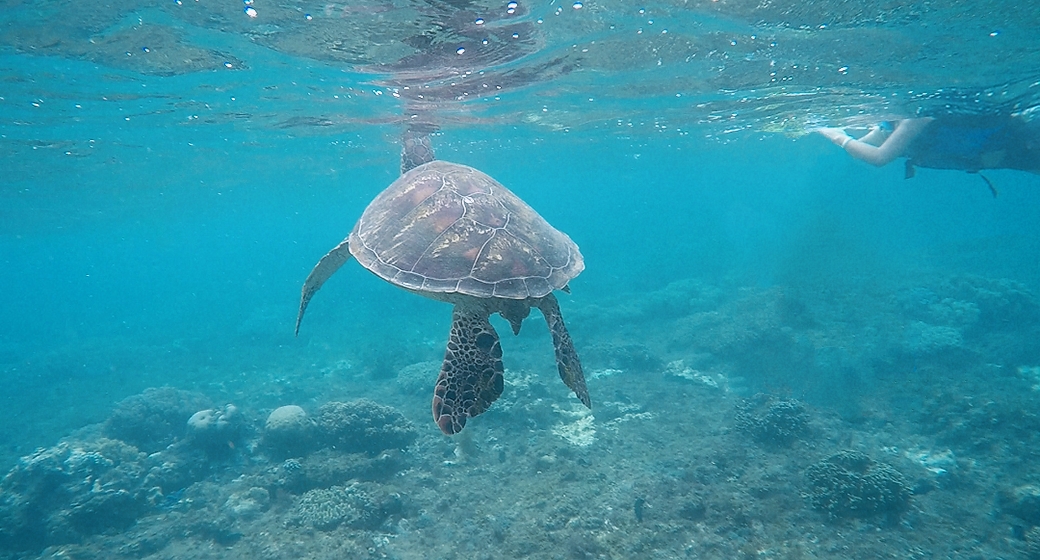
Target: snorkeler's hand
{"points": [[835, 135]]}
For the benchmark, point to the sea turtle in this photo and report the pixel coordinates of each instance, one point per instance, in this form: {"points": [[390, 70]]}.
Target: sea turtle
{"points": [[452, 233]]}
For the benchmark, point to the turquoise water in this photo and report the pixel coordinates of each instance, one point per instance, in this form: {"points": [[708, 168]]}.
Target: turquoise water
{"points": [[172, 171]]}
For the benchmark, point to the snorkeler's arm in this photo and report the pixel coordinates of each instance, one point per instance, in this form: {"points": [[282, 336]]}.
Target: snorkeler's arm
{"points": [[877, 135], [838, 135], [893, 147]]}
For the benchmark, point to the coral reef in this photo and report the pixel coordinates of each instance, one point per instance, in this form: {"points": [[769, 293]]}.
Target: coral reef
{"points": [[328, 467], [1001, 303], [676, 299], [155, 418], [580, 431], [757, 334], [418, 379], [942, 467], [288, 431], [177, 467], [677, 369], [851, 484], [625, 357], [357, 505], [1023, 502], [927, 306], [920, 338], [86, 486], [673, 465], [247, 504], [773, 421], [363, 426], [962, 421], [215, 429], [1033, 543], [59, 494], [980, 314]]}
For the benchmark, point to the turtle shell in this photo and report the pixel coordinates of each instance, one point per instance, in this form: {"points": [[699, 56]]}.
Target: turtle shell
{"points": [[445, 228]]}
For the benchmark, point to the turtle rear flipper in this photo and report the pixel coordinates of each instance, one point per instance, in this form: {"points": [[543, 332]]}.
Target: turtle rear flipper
{"points": [[471, 375], [321, 272], [566, 356]]}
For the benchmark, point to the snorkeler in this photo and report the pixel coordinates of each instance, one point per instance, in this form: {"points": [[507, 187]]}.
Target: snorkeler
{"points": [[966, 142]]}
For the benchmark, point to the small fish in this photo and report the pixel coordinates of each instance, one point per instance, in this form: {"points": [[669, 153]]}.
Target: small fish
{"points": [[638, 508]]}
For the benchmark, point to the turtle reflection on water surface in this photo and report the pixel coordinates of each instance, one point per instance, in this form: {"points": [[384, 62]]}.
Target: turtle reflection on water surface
{"points": [[452, 233]]}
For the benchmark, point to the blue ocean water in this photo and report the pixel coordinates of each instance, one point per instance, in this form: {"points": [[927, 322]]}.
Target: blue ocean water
{"points": [[172, 171]]}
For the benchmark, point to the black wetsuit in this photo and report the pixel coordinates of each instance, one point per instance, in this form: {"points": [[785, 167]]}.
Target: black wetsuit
{"points": [[976, 142]]}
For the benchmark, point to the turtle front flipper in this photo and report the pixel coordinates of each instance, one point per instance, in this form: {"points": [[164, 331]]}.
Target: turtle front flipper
{"points": [[566, 356], [321, 272], [471, 375]]}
